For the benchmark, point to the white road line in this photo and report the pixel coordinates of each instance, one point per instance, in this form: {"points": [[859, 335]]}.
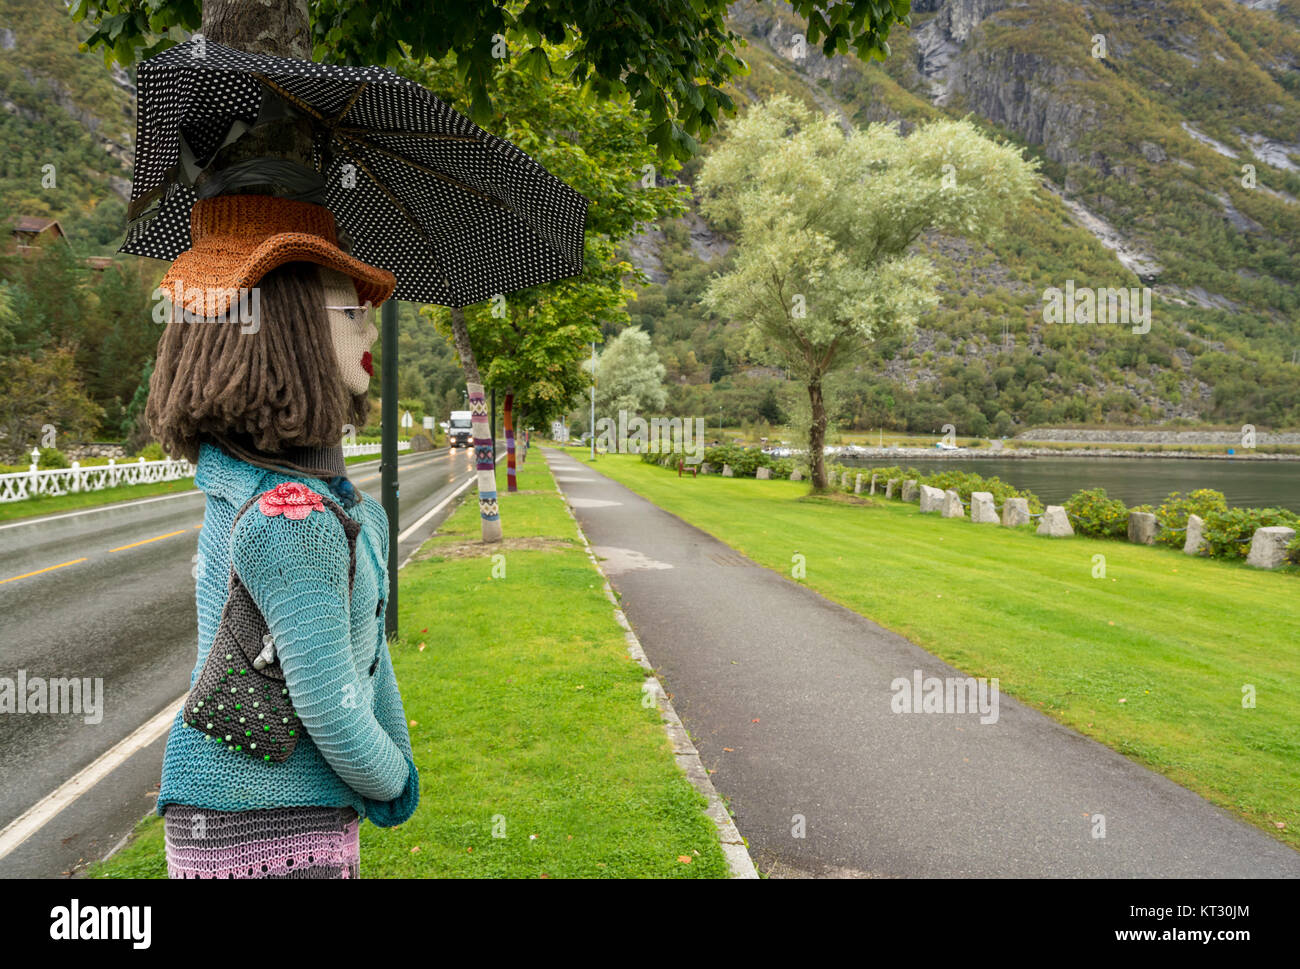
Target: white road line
{"points": [[469, 480], [44, 810], [91, 511]]}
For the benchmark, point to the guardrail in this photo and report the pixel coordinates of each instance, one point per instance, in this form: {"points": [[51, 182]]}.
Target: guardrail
{"points": [[21, 485]]}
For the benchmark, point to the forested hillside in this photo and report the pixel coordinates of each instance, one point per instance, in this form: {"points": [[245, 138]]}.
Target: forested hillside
{"points": [[1169, 137], [1143, 151]]}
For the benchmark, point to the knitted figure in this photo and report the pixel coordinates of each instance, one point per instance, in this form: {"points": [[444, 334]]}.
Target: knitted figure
{"points": [[257, 389]]}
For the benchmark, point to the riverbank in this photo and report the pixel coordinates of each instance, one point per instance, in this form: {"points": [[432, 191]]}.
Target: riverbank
{"points": [[1152, 657], [1028, 451]]}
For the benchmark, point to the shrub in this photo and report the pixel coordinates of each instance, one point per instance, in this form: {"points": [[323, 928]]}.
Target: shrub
{"points": [[1293, 550], [1173, 511], [52, 458], [153, 451], [1228, 532], [1093, 512]]}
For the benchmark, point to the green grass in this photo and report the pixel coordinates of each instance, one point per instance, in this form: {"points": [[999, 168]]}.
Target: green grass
{"points": [[1174, 637], [527, 717]]}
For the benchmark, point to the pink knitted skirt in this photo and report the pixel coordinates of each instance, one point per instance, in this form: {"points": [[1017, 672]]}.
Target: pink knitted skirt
{"points": [[295, 842]]}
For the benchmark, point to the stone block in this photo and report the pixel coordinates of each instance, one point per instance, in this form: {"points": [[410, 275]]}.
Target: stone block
{"points": [[1142, 528], [1015, 512], [982, 509], [952, 506], [931, 499], [1055, 523], [763, 474], [1268, 546], [911, 489], [1195, 535]]}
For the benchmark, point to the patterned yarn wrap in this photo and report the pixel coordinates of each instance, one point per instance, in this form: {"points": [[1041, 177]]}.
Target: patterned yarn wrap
{"points": [[485, 462], [508, 414], [295, 842]]}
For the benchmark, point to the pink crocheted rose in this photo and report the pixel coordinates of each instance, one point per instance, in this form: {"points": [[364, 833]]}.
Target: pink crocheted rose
{"points": [[293, 500]]}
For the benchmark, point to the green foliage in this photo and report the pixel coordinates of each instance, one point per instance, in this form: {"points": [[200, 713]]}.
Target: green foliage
{"points": [[52, 458], [826, 224], [629, 376], [152, 451], [1228, 532], [1092, 512], [1173, 511]]}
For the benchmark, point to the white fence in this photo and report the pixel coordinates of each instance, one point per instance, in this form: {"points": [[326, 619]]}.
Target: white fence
{"points": [[20, 485]]}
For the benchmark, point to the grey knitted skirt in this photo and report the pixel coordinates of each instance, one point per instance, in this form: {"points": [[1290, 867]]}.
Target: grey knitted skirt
{"points": [[294, 842]]}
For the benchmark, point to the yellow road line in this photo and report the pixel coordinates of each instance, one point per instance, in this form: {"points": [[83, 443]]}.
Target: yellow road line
{"points": [[48, 568], [148, 540]]}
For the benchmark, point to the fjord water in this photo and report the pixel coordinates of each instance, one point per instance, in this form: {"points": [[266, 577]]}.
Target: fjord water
{"points": [[1135, 481]]}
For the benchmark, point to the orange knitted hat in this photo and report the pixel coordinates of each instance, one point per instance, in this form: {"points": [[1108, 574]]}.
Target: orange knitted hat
{"points": [[238, 239]]}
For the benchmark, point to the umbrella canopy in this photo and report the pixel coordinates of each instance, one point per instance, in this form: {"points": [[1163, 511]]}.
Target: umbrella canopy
{"points": [[455, 213]]}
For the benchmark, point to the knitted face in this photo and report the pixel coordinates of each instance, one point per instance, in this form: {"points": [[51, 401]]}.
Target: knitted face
{"points": [[351, 331]]}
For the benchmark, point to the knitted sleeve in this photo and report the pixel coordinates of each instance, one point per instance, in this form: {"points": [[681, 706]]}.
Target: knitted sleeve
{"points": [[296, 570], [391, 716], [388, 700]]}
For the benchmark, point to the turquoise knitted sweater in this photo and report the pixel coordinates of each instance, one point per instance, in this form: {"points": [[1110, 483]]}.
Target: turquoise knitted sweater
{"points": [[356, 750]]}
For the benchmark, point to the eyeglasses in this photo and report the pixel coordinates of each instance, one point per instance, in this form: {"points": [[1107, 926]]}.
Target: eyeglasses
{"points": [[353, 312]]}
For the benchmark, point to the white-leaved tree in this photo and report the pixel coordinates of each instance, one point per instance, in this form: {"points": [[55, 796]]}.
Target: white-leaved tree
{"points": [[824, 223], [630, 376]]}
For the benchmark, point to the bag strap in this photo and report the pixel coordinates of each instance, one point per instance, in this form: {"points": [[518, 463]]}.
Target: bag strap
{"points": [[351, 528]]}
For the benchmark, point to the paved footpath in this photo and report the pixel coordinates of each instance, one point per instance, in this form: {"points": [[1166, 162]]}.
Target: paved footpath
{"points": [[787, 696]]}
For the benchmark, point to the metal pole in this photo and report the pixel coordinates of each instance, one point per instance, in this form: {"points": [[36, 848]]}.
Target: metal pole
{"points": [[388, 455], [593, 400]]}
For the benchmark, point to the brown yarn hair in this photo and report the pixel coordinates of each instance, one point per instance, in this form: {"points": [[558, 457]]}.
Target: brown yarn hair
{"points": [[279, 387]]}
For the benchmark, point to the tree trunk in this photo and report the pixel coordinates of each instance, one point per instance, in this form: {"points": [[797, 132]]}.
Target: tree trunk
{"points": [[278, 27], [817, 436], [507, 416], [489, 513]]}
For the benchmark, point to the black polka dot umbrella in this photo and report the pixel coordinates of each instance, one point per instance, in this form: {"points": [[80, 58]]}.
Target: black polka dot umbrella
{"points": [[455, 213]]}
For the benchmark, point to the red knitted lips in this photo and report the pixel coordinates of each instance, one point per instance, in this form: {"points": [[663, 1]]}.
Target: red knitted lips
{"points": [[293, 500]]}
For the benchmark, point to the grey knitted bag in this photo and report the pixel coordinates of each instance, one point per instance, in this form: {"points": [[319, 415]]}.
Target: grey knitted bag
{"points": [[240, 696]]}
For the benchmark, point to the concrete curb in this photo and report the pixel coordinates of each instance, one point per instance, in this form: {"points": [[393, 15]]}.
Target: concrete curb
{"points": [[688, 758]]}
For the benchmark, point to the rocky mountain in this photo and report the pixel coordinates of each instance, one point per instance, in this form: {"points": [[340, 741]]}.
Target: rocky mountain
{"points": [[1169, 135]]}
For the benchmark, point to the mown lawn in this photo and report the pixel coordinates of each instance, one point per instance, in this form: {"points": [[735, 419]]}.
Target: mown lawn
{"points": [[536, 756], [1151, 660]]}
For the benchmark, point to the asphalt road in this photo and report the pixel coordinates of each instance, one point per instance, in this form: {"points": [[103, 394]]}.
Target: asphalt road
{"points": [[787, 697], [123, 611]]}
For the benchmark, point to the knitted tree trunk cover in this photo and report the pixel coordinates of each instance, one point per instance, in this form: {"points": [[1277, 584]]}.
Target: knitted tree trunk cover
{"points": [[510, 443], [484, 461]]}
